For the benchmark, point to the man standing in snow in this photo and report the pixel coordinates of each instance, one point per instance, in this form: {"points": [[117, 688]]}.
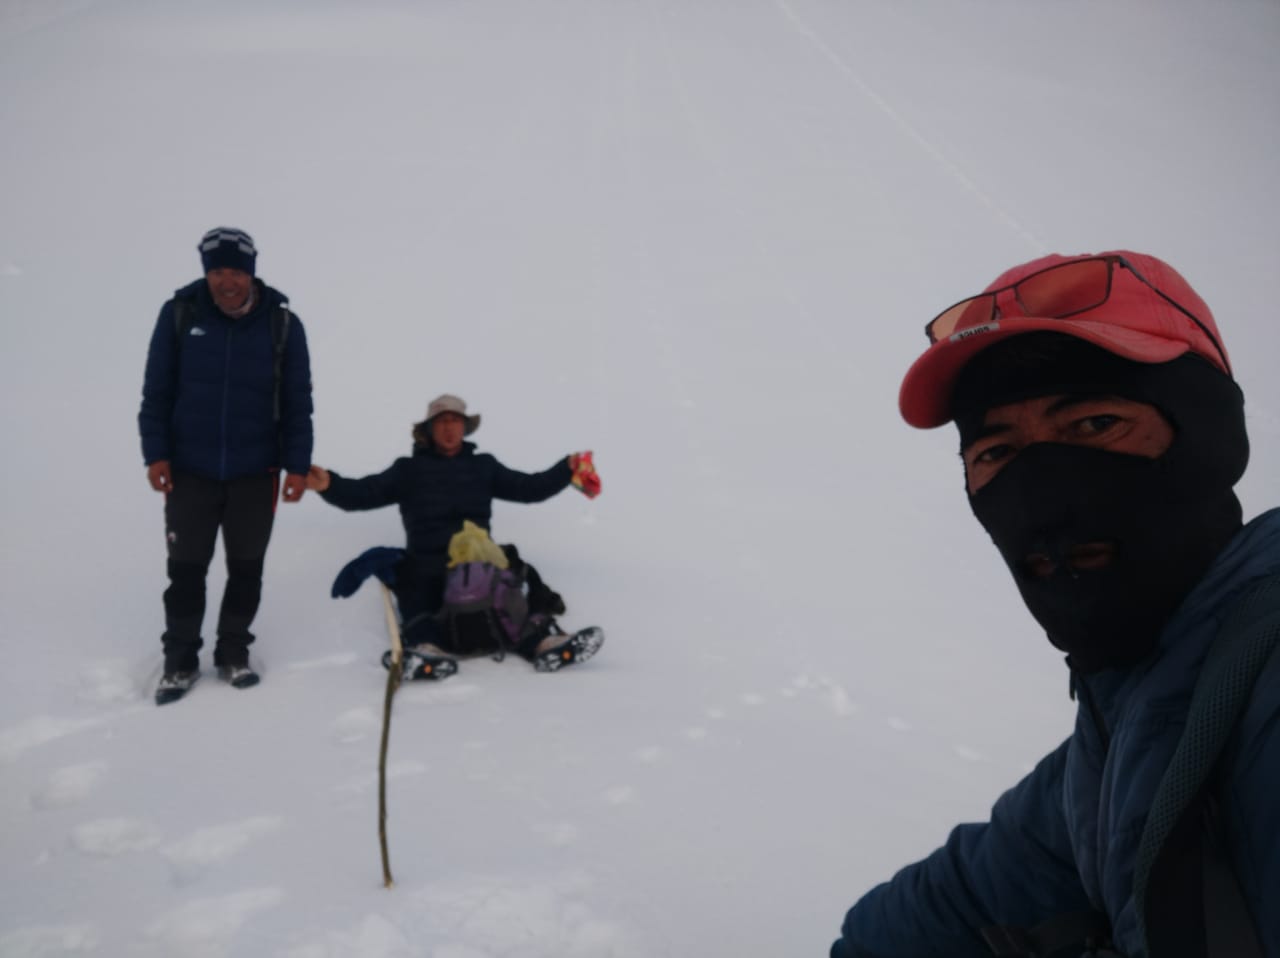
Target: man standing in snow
{"points": [[226, 403], [1102, 434]]}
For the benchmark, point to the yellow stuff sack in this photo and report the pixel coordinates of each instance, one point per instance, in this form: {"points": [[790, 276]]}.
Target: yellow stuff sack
{"points": [[473, 544]]}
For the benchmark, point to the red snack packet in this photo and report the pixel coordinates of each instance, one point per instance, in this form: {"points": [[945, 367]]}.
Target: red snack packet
{"points": [[585, 477]]}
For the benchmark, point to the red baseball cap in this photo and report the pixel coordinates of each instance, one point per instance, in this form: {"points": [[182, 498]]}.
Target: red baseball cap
{"points": [[1133, 321]]}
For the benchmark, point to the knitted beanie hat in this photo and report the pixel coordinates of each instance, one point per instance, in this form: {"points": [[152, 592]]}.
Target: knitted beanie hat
{"points": [[226, 248]]}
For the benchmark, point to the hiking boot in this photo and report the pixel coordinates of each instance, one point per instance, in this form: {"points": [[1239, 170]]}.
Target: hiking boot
{"points": [[174, 685], [239, 676], [556, 651], [422, 662]]}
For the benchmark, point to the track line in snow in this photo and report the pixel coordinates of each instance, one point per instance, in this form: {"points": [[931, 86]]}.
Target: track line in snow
{"points": [[704, 145], [944, 162]]}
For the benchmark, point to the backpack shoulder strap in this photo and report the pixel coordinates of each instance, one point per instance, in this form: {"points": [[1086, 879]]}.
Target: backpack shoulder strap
{"points": [[1229, 928], [1246, 640], [184, 316], [280, 317]]}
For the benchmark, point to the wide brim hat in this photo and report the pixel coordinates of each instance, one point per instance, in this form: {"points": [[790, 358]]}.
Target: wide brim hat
{"points": [[1134, 322], [450, 403]]}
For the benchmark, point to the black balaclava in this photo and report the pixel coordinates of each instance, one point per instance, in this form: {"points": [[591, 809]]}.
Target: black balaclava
{"points": [[1167, 518]]}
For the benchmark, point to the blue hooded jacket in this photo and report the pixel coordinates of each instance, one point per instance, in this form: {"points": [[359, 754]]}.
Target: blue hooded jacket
{"points": [[1066, 837], [208, 404]]}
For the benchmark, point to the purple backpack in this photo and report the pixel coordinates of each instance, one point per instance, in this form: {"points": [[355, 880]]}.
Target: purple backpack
{"points": [[484, 610]]}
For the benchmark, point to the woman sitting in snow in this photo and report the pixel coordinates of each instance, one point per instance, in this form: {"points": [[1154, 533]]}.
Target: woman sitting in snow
{"points": [[443, 484]]}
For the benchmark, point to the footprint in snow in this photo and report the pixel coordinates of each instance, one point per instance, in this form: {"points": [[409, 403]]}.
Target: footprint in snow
{"points": [[108, 683], [111, 837], [206, 925], [436, 693], [548, 917], [216, 843], [539, 916], [559, 834], [334, 661], [375, 936], [69, 785], [40, 730], [835, 695], [367, 783], [355, 725], [650, 755], [481, 767], [36, 941], [620, 795], [838, 700]]}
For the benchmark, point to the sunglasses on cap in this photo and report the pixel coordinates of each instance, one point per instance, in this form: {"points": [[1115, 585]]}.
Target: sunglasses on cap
{"points": [[1056, 292]]}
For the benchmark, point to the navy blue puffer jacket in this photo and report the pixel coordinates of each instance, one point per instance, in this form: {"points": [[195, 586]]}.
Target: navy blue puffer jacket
{"points": [[436, 493], [1065, 839], [208, 402]]}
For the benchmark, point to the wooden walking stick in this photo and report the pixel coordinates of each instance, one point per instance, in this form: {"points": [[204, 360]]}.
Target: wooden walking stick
{"points": [[393, 683]]}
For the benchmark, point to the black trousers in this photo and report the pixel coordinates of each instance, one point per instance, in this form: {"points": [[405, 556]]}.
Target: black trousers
{"points": [[194, 510], [419, 593]]}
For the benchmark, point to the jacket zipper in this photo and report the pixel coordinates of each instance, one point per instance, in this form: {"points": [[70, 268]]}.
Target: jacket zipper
{"points": [[1078, 685], [226, 394]]}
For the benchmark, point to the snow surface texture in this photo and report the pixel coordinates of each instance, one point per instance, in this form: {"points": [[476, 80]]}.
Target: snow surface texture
{"points": [[698, 236]]}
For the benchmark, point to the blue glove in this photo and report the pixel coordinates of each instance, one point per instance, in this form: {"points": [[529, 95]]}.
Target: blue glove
{"points": [[380, 561]]}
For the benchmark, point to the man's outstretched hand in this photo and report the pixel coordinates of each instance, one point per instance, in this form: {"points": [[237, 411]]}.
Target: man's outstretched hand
{"points": [[317, 479]]}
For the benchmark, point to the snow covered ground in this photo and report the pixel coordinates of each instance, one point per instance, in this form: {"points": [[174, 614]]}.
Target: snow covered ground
{"points": [[700, 237]]}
